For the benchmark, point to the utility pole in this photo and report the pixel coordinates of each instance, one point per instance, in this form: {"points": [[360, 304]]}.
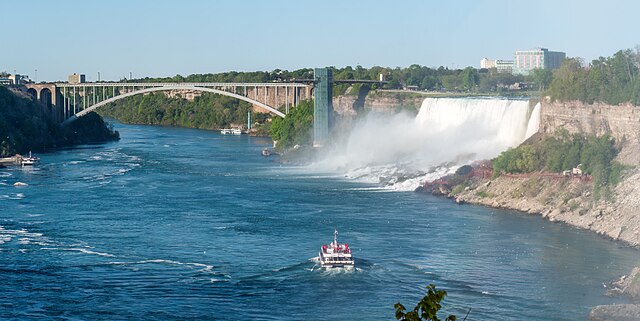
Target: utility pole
{"points": [[98, 76], [36, 76]]}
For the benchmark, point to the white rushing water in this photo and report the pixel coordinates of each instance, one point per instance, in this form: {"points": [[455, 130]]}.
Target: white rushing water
{"points": [[401, 151]]}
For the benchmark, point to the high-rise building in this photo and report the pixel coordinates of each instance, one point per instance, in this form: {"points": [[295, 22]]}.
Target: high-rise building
{"points": [[538, 58]]}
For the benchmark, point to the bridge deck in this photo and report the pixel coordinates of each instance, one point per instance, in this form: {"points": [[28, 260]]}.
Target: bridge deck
{"points": [[185, 84]]}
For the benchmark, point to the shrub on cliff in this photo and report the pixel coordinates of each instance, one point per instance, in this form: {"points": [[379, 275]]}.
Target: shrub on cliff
{"points": [[594, 154], [523, 159], [295, 128]]}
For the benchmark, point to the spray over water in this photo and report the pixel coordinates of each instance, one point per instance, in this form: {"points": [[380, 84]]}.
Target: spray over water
{"points": [[401, 151]]}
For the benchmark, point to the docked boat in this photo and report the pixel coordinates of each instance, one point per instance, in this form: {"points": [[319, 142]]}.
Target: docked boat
{"points": [[266, 152], [29, 161], [336, 255], [231, 131]]}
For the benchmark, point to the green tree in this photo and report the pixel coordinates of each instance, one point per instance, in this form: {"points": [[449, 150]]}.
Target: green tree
{"points": [[295, 128], [470, 78], [542, 78], [613, 80], [427, 309]]}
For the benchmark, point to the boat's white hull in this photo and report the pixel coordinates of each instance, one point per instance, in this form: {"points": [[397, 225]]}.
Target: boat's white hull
{"points": [[337, 266], [228, 131], [28, 162]]}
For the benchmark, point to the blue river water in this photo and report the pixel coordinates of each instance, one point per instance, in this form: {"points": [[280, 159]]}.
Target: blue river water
{"points": [[173, 224]]}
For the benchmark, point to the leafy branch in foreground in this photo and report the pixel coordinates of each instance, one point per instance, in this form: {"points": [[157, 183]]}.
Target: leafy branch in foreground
{"points": [[426, 309]]}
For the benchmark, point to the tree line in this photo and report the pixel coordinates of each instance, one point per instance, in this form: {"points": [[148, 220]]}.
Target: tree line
{"points": [[441, 78], [613, 80]]}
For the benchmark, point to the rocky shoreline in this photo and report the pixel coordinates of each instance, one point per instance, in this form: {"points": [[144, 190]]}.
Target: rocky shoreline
{"points": [[628, 286], [564, 200]]}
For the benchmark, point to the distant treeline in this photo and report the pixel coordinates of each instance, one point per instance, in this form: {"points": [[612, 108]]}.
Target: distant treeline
{"points": [[612, 80], [421, 77], [208, 111], [23, 127]]}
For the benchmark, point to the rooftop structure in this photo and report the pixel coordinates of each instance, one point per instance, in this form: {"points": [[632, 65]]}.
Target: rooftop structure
{"points": [[76, 79], [14, 80]]}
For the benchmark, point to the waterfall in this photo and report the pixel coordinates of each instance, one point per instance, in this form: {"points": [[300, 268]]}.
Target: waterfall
{"points": [[446, 133], [480, 126]]}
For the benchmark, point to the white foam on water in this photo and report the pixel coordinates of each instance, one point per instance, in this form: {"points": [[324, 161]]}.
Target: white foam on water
{"points": [[34, 215], [203, 267], [77, 249], [22, 235]]}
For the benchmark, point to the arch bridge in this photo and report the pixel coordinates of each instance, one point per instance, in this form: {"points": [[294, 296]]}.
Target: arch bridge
{"points": [[67, 102]]}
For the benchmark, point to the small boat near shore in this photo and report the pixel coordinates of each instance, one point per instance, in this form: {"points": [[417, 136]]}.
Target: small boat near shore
{"points": [[336, 255], [266, 152], [231, 131], [29, 161]]}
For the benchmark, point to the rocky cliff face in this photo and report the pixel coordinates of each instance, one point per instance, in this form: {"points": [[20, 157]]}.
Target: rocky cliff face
{"points": [[349, 105], [620, 122]]}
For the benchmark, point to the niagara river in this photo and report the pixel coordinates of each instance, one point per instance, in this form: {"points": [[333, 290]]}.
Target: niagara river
{"points": [[177, 224]]}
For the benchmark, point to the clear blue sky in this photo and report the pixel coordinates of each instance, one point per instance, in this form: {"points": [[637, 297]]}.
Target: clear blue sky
{"points": [[165, 38]]}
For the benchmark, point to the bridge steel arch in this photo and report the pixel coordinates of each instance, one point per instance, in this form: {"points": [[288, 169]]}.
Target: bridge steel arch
{"points": [[165, 88]]}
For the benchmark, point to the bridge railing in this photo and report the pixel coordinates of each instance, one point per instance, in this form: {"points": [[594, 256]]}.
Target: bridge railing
{"points": [[183, 84]]}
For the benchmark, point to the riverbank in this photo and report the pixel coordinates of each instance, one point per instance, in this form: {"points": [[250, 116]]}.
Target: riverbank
{"points": [[628, 286], [564, 200]]}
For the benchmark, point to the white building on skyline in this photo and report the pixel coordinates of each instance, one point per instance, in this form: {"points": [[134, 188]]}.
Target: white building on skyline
{"points": [[500, 65], [487, 63]]}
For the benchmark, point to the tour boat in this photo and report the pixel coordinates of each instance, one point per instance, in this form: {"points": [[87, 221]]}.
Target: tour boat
{"points": [[231, 131], [29, 161], [336, 255]]}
